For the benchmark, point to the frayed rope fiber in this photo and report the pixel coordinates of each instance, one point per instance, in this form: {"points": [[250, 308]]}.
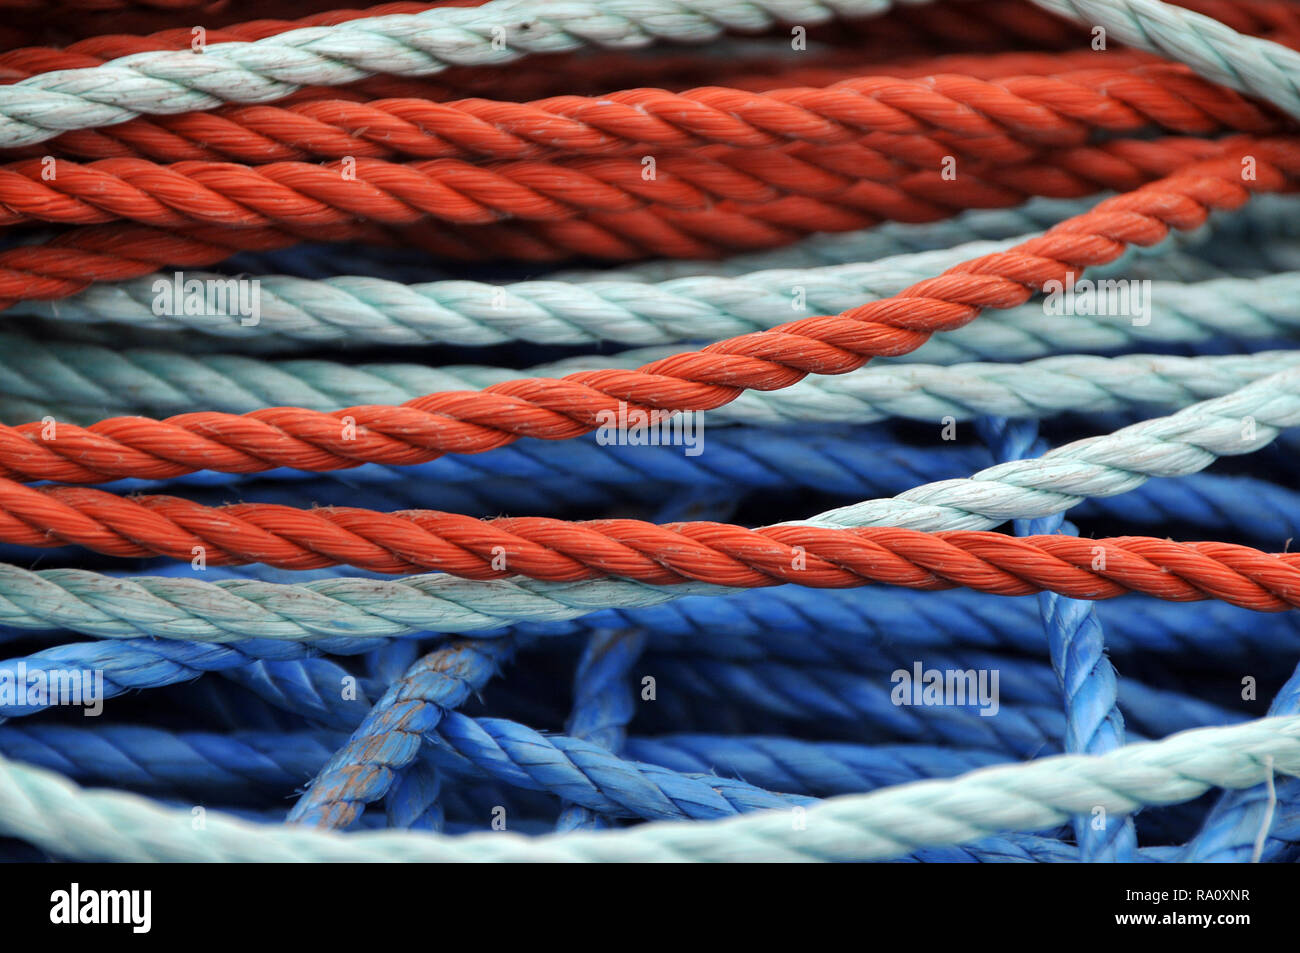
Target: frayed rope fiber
{"points": [[671, 430]]}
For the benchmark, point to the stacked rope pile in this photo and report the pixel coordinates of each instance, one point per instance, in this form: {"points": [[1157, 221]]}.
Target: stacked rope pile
{"points": [[670, 430]]}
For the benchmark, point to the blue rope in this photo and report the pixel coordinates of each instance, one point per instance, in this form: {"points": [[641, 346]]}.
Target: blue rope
{"points": [[274, 685], [831, 627], [1244, 824], [1024, 723], [389, 736], [854, 462], [170, 765], [1093, 723], [602, 705]]}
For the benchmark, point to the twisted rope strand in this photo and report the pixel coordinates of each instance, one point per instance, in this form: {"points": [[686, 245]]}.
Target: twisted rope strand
{"points": [[365, 309], [1011, 118], [588, 774], [235, 609], [837, 188], [756, 65], [53, 813], [563, 408], [72, 261], [1254, 66], [1188, 441], [144, 757], [1266, 217], [886, 240], [133, 664], [1093, 722], [1183, 443], [602, 706], [853, 463], [141, 756], [140, 381], [364, 769], [712, 553], [96, 50], [417, 45]]}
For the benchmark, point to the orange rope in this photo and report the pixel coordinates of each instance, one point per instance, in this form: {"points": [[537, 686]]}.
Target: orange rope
{"points": [[599, 207], [834, 188], [717, 553], [1003, 119], [556, 409]]}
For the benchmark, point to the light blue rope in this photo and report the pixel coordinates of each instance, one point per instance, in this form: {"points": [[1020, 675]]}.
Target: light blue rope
{"points": [[877, 825], [1251, 65], [1093, 723], [165, 83], [1255, 823]]}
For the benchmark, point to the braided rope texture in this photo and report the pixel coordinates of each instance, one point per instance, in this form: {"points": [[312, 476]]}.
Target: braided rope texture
{"points": [[651, 430]]}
